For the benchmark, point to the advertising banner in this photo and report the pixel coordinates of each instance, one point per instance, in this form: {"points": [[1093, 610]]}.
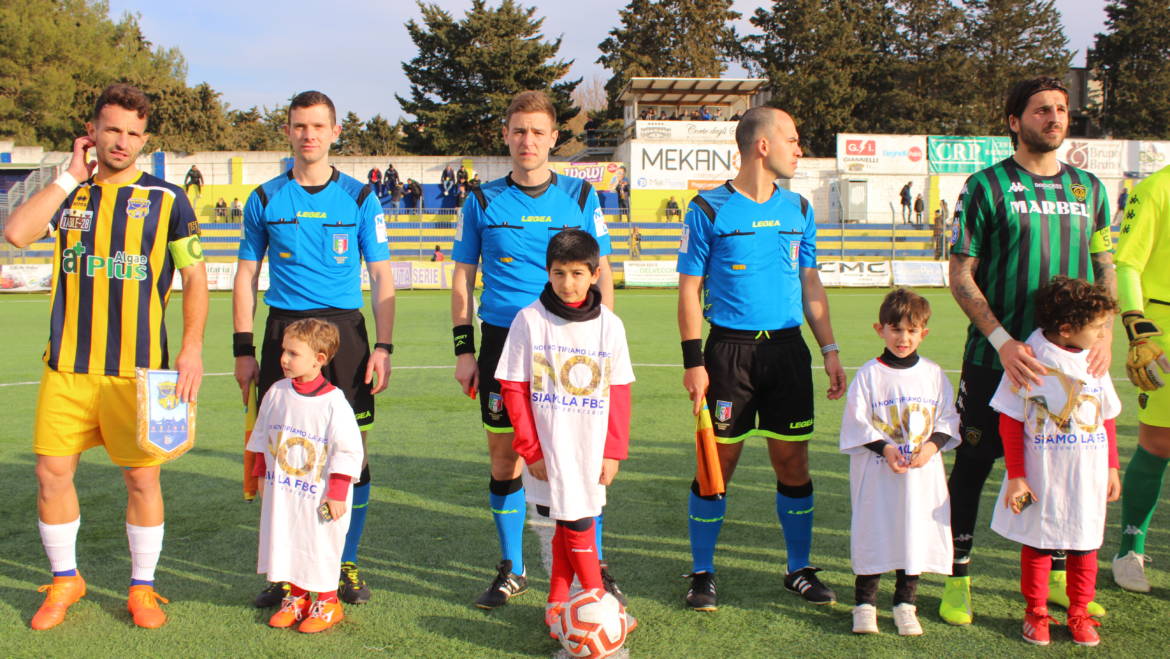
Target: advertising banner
{"points": [[431, 275], [881, 154], [855, 273], [651, 274], [965, 155], [402, 275], [920, 273], [1105, 158], [25, 278], [221, 276], [693, 131], [601, 175], [1144, 158], [682, 165]]}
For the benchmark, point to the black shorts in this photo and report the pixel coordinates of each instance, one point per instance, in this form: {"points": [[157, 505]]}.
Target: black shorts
{"points": [[491, 402], [978, 422], [768, 374], [347, 369]]}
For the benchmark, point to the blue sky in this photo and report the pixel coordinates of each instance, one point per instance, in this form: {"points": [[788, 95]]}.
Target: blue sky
{"points": [[260, 53]]}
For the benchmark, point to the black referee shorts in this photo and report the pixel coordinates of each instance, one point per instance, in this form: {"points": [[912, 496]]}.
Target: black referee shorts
{"points": [[491, 402], [978, 422], [347, 369], [766, 374]]}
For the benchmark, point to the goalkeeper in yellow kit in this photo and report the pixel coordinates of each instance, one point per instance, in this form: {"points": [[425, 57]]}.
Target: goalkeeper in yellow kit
{"points": [[1143, 286]]}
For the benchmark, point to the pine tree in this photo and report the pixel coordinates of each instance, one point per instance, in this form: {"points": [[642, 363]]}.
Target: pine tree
{"points": [[1132, 60], [467, 71], [668, 38]]}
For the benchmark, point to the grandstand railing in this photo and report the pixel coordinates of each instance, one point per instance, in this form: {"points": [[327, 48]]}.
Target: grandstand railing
{"points": [[16, 195]]}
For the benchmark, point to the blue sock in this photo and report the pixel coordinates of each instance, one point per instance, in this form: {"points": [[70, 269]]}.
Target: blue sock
{"points": [[141, 582], [705, 521], [508, 509], [66, 573], [357, 522], [794, 507], [597, 527]]}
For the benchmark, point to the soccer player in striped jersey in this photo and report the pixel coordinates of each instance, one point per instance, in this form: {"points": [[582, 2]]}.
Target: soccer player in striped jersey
{"points": [[1143, 283], [120, 236], [1018, 223]]}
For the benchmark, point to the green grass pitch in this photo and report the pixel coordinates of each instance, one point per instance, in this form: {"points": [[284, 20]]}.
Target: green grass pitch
{"points": [[430, 546]]}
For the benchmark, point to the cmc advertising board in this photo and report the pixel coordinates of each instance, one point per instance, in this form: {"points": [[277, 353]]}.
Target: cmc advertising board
{"points": [[855, 273], [695, 131], [1105, 158], [965, 155], [682, 166], [881, 154]]}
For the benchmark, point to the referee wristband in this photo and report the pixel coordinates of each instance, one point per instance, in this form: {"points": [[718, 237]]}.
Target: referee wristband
{"points": [[66, 182], [999, 337], [242, 345], [831, 347], [692, 350], [388, 347], [464, 337]]}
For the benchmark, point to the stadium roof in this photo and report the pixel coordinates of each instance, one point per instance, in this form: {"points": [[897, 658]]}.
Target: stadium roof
{"points": [[690, 91]]}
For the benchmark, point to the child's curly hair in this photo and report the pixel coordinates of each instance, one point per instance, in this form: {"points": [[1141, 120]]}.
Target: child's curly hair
{"points": [[1072, 302], [904, 304], [320, 335]]}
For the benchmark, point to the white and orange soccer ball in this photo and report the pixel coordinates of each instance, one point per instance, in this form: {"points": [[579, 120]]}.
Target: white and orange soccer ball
{"points": [[593, 625]]}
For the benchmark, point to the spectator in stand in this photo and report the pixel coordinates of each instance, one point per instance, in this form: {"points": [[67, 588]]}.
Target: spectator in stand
{"points": [[939, 233], [396, 194], [221, 210], [375, 180], [474, 182], [461, 175], [672, 210], [447, 180], [919, 207], [704, 114], [194, 178], [237, 210], [414, 189], [674, 115], [460, 195], [437, 255], [622, 188], [905, 196], [635, 243], [735, 117], [390, 180]]}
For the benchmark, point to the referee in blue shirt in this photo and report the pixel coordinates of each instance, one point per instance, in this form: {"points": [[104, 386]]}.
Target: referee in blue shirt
{"points": [[316, 225], [748, 263], [506, 225]]}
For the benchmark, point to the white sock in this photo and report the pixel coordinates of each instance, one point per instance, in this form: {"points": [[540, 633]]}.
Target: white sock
{"points": [[60, 541], [145, 547]]}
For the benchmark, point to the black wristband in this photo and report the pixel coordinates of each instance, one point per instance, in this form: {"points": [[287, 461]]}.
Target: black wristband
{"points": [[242, 345], [464, 339], [692, 350], [388, 347]]}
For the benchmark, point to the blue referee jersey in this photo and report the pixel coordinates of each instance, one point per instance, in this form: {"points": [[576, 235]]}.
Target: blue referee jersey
{"points": [[315, 242], [750, 254], [510, 230]]}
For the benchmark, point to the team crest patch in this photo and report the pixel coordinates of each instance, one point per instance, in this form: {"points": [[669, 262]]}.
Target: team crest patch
{"points": [[193, 228], [495, 403], [136, 209], [75, 220], [340, 243], [722, 410], [793, 250], [954, 237], [1079, 192]]}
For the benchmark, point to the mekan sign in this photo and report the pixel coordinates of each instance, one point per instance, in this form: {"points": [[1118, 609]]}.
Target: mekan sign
{"points": [[881, 154], [682, 166]]}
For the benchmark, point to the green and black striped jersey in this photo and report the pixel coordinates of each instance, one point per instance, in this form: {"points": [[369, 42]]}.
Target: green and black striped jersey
{"points": [[1026, 229]]}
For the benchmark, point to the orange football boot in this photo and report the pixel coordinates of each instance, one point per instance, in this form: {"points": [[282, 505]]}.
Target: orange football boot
{"points": [[322, 616], [291, 610], [143, 605], [63, 592]]}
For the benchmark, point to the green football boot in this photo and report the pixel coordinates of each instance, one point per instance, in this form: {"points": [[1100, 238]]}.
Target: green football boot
{"points": [[1058, 593], [955, 607]]}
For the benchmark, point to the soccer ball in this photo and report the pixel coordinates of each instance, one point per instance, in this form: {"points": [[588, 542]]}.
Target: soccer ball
{"points": [[592, 625]]}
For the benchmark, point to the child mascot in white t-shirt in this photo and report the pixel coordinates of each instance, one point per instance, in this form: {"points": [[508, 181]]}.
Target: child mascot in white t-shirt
{"points": [[565, 375], [309, 450], [1060, 452], [899, 416]]}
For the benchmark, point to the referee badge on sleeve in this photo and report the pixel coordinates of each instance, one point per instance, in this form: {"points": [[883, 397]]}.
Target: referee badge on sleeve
{"points": [[685, 241]]}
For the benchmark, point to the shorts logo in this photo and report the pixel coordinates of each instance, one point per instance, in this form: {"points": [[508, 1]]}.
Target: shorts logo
{"points": [[495, 403], [340, 243], [793, 250], [973, 436], [75, 220], [722, 410], [136, 209], [1079, 192]]}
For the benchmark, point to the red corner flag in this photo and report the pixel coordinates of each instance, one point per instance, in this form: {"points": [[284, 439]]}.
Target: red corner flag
{"points": [[708, 473]]}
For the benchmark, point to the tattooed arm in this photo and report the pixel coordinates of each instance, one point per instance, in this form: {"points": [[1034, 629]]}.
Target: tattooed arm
{"points": [[1105, 274]]}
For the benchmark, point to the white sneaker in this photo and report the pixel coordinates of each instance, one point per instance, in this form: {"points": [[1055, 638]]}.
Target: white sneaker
{"points": [[906, 620], [1129, 572], [865, 619]]}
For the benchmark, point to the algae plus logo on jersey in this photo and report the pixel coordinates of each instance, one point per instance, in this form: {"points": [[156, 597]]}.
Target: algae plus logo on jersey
{"points": [[120, 266]]}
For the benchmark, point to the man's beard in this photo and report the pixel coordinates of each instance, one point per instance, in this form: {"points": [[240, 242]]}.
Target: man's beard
{"points": [[1038, 143]]}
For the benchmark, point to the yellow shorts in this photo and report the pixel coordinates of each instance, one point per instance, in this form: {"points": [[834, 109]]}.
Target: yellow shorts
{"points": [[76, 412], [1156, 410]]}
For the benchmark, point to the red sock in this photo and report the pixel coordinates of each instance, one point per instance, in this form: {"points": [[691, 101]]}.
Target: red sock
{"points": [[330, 596], [1034, 568], [582, 551], [296, 591], [1082, 582], [562, 569]]}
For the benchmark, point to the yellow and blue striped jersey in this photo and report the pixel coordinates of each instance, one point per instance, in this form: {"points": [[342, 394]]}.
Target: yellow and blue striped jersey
{"points": [[117, 248]]}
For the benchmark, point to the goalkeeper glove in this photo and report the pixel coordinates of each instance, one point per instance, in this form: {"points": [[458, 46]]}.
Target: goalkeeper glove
{"points": [[1144, 353]]}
